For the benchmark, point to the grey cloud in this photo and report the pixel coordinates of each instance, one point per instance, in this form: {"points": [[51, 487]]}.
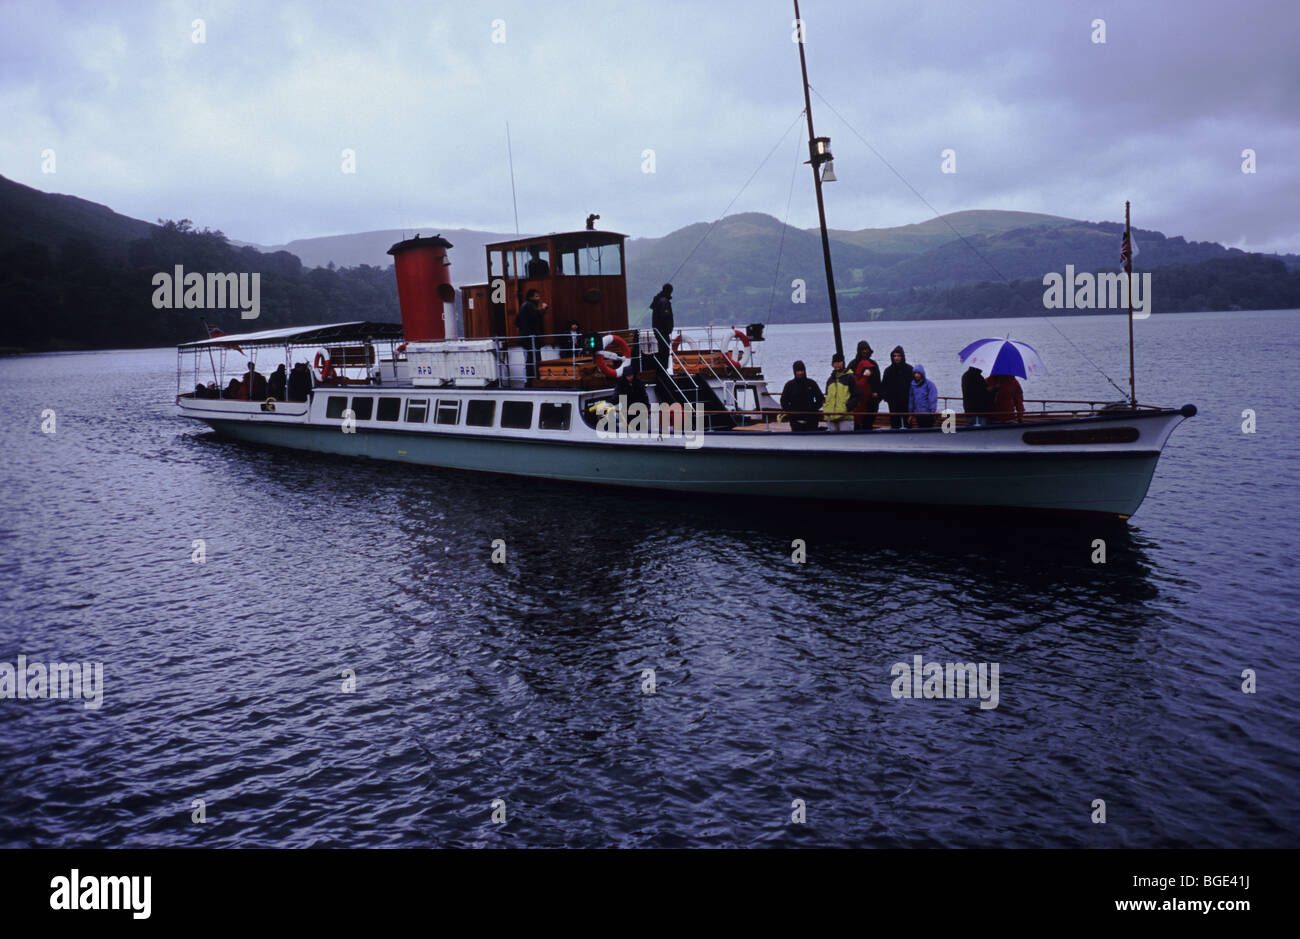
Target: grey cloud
{"points": [[244, 133]]}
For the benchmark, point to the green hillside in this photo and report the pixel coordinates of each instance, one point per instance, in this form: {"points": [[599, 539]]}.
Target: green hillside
{"points": [[922, 236], [74, 274]]}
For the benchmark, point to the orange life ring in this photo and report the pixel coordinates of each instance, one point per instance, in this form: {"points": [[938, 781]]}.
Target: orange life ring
{"points": [[324, 366], [608, 370], [744, 344]]}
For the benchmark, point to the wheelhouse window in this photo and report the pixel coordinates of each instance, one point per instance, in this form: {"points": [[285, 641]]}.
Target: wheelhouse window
{"points": [[517, 415], [535, 261], [480, 413], [335, 407], [363, 407], [448, 411], [592, 259], [390, 409], [553, 417], [417, 410]]}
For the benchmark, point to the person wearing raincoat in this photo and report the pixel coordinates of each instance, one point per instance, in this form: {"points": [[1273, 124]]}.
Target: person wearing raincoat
{"points": [[923, 398], [841, 396], [1008, 399], [866, 373], [895, 387], [976, 399]]}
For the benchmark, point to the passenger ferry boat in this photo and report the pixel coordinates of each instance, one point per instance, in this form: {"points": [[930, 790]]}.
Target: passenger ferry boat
{"points": [[407, 393], [438, 390]]}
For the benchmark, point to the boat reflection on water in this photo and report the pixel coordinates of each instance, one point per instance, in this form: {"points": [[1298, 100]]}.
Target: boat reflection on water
{"points": [[528, 678]]}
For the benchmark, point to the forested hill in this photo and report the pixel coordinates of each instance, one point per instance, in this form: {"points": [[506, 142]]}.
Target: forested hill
{"points": [[76, 275], [881, 276]]}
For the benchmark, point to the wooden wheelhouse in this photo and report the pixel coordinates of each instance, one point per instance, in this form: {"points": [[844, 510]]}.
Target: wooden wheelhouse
{"points": [[581, 276]]}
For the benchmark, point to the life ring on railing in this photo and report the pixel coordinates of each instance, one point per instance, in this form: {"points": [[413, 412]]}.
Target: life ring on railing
{"points": [[679, 339], [324, 366], [736, 361], [614, 339]]}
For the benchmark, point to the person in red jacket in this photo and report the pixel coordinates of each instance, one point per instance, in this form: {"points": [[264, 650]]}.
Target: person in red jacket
{"points": [[866, 373], [1008, 399]]}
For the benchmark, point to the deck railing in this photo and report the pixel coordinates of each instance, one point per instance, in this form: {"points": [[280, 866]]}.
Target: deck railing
{"points": [[761, 420]]}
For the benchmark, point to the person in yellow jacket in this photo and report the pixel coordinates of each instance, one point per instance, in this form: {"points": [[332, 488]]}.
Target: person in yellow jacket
{"points": [[841, 396]]}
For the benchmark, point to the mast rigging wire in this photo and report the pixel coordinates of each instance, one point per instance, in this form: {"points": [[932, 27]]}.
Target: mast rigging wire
{"points": [[943, 218], [674, 274], [513, 198], [776, 274]]}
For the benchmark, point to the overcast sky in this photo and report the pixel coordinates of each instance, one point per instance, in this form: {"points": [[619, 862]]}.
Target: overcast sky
{"points": [[245, 132]]}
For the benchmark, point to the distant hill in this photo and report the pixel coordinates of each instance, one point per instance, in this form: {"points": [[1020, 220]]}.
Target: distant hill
{"points": [[730, 276], [922, 236], [1029, 252], [75, 274], [371, 247], [50, 219]]}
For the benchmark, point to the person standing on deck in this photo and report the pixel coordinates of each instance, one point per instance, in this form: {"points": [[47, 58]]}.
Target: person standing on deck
{"points": [[802, 394], [573, 342], [923, 397], [531, 322], [841, 396], [976, 400], [866, 373], [661, 320], [896, 387], [1008, 399]]}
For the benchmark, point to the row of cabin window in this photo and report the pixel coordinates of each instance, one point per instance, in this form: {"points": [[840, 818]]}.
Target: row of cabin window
{"points": [[515, 415]]}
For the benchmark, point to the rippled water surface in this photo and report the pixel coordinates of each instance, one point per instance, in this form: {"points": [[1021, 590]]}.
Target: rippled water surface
{"points": [[523, 682]]}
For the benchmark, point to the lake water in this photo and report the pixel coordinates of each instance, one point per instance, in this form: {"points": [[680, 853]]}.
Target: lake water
{"points": [[523, 682]]}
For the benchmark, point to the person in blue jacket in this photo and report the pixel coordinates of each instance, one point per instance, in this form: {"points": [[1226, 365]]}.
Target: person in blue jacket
{"points": [[923, 397]]}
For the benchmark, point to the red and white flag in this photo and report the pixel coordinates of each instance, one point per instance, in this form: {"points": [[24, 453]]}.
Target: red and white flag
{"points": [[1128, 250], [216, 332]]}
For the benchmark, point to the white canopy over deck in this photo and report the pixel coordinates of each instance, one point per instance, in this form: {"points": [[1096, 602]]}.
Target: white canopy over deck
{"points": [[354, 331]]}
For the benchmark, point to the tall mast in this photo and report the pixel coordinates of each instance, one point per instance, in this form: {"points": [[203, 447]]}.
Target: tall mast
{"points": [[1128, 268], [816, 159]]}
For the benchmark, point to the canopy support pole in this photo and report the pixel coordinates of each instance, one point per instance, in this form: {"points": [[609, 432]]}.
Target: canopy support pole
{"points": [[215, 377], [1128, 268]]}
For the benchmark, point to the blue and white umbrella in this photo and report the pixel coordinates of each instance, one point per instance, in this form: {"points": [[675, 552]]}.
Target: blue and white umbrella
{"points": [[1003, 357]]}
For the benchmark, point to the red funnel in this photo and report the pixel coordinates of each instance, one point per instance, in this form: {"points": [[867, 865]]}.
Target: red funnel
{"points": [[423, 286]]}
